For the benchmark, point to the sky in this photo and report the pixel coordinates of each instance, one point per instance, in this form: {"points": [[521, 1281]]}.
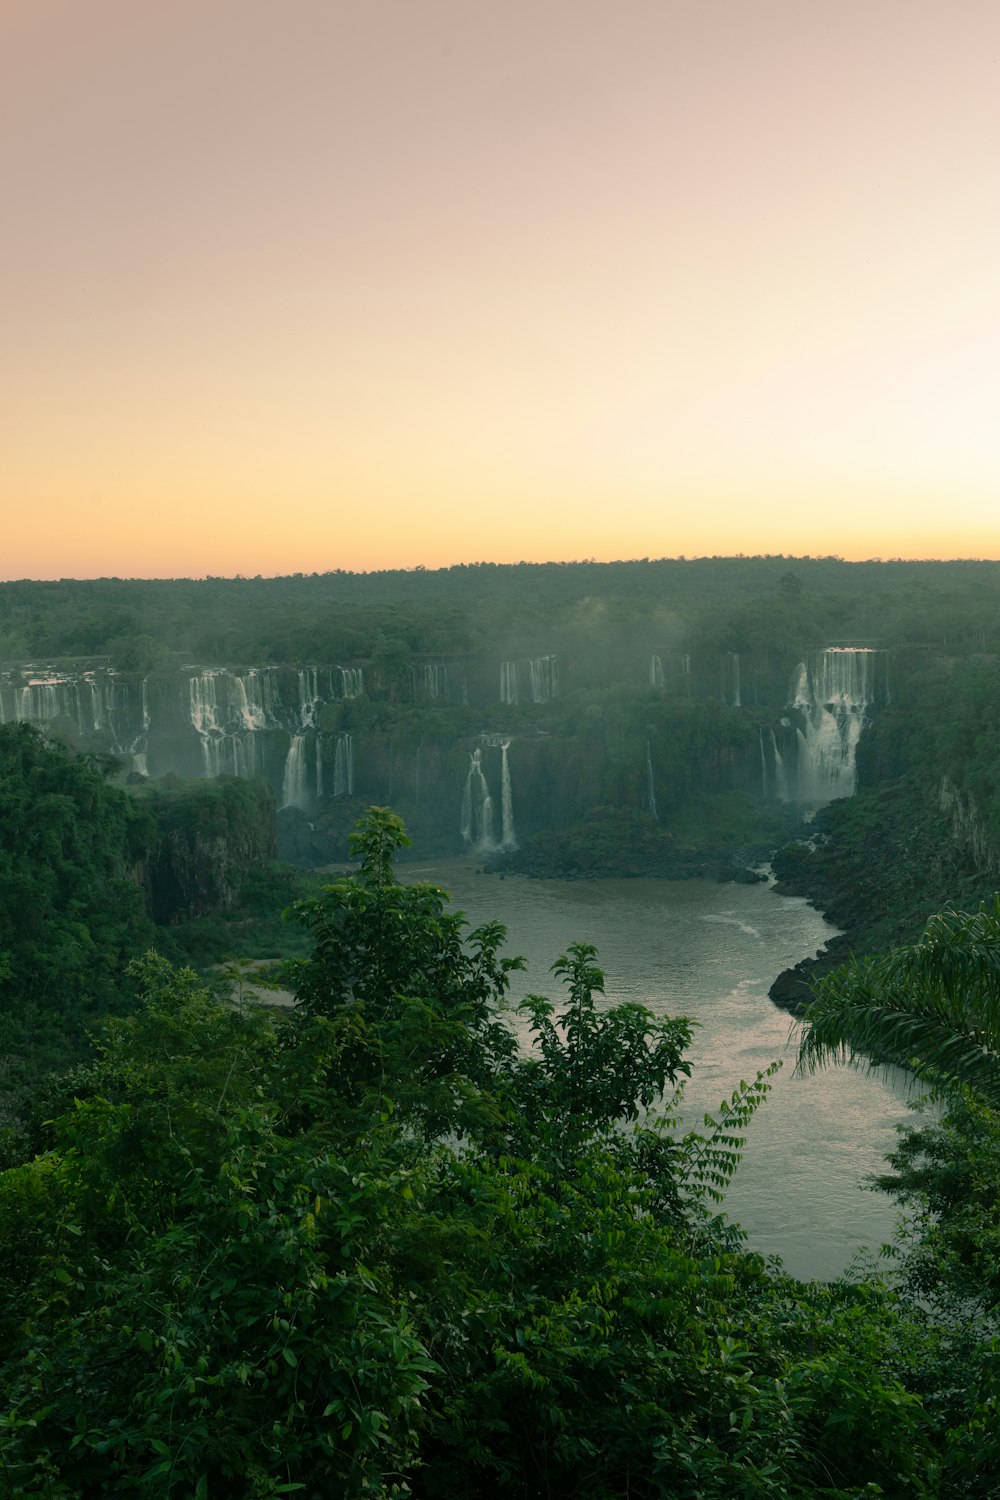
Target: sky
{"points": [[317, 284]]}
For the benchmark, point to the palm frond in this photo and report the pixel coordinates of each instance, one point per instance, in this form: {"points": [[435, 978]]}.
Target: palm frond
{"points": [[933, 1007]]}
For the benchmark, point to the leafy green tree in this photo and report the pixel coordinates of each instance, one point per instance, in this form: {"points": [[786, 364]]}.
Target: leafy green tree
{"points": [[258, 1258], [932, 1007], [71, 908]]}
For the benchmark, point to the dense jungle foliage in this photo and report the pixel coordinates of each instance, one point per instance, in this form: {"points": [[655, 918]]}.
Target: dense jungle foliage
{"points": [[365, 1247], [751, 604], [92, 875], [369, 1248]]}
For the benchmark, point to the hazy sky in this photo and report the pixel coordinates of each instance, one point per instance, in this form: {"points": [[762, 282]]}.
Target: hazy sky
{"points": [[301, 285]]}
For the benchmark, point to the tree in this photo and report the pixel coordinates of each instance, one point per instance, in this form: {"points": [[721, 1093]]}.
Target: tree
{"points": [[257, 1259], [932, 1007], [71, 908]]}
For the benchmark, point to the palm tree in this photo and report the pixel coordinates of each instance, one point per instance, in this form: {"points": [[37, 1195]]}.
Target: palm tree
{"points": [[933, 1007]]}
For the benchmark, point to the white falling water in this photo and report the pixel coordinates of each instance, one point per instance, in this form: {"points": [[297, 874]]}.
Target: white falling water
{"points": [[309, 699], [343, 766], [780, 774], [544, 678], [508, 837], [227, 749], [650, 785], [655, 671], [734, 680], [252, 700], [138, 748], [240, 702], [319, 768], [832, 693], [352, 681], [295, 783], [508, 683], [763, 764], [204, 711], [261, 699], [43, 699], [434, 677], [477, 807]]}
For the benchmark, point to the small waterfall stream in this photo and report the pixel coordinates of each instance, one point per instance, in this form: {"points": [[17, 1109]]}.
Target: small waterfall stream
{"points": [[508, 837], [650, 785]]}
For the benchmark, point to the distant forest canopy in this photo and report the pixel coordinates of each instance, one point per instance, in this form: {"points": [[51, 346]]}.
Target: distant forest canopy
{"points": [[702, 604]]}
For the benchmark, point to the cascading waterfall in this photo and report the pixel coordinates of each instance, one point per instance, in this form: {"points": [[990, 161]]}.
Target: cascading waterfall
{"points": [[731, 680], [763, 764], [309, 699], [780, 774], [650, 785], [319, 768], [352, 681], [544, 678], [343, 766], [137, 750], [295, 784], [508, 683], [204, 710], [477, 807], [261, 699], [435, 679], [655, 671], [508, 838], [832, 693], [225, 751]]}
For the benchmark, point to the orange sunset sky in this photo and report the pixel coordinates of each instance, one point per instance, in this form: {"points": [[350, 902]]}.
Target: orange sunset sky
{"points": [[378, 283]]}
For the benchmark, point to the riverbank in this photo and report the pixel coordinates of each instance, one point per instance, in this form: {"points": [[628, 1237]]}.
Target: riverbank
{"points": [[877, 865]]}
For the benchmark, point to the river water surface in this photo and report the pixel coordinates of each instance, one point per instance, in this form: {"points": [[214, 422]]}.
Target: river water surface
{"points": [[711, 952]]}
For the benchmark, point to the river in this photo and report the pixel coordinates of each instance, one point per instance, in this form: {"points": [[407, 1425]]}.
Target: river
{"points": [[711, 952]]}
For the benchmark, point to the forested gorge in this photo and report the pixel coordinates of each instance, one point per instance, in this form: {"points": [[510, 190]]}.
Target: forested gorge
{"points": [[366, 1246]]}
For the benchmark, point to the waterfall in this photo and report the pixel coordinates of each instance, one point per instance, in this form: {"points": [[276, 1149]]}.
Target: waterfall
{"points": [[650, 788], [204, 712], [319, 768], [508, 683], [42, 699], [763, 763], [832, 692], [477, 807], [655, 671], [435, 680], [352, 681], [139, 745], [508, 838], [308, 696], [780, 775], [343, 766], [544, 678], [259, 699], [730, 680], [295, 783], [239, 700]]}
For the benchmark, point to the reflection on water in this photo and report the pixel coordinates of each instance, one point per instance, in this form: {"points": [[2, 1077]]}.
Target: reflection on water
{"points": [[711, 952]]}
